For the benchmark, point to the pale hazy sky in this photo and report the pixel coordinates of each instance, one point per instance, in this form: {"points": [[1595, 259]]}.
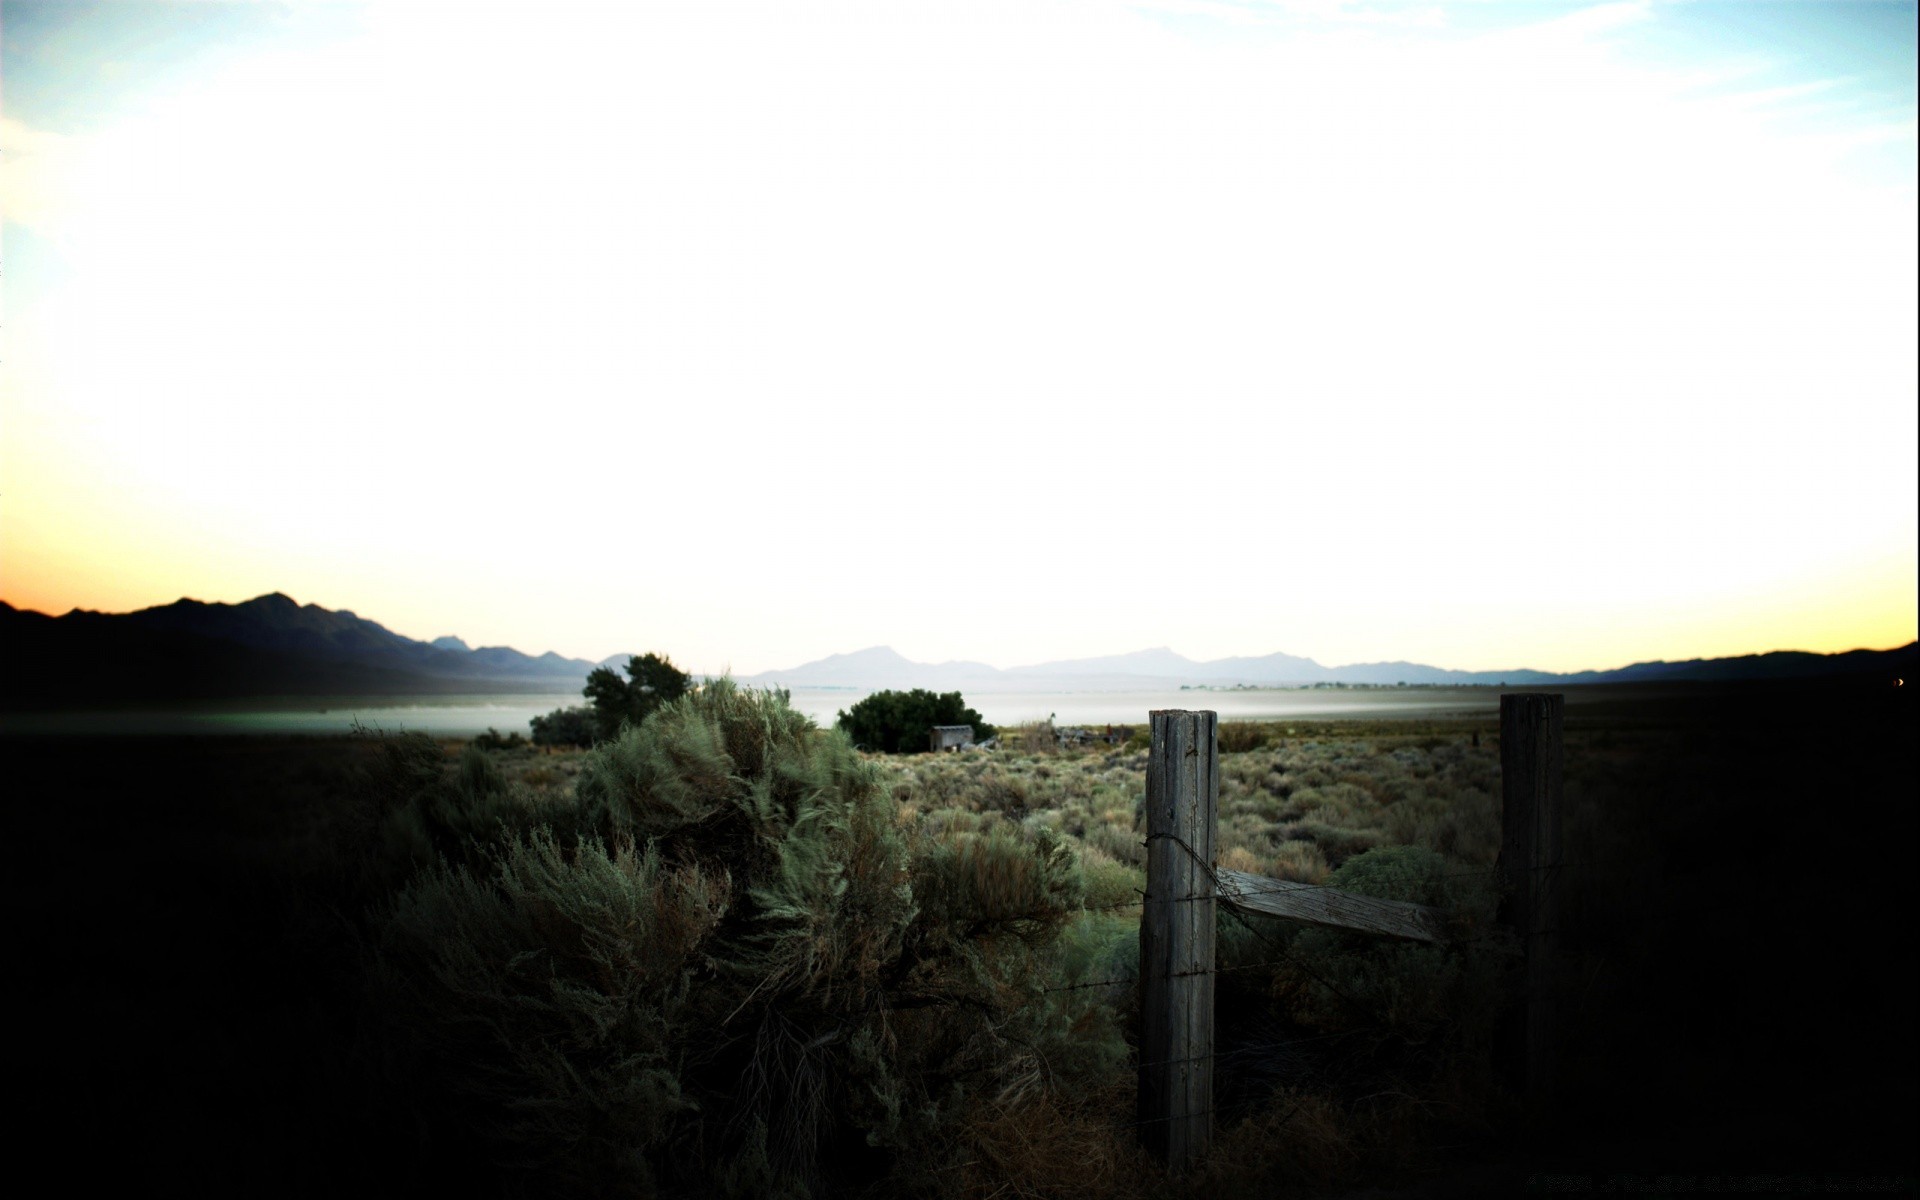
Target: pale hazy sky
{"points": [[1478, 334]]}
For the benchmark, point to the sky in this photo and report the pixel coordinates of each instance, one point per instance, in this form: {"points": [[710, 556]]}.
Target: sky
{"points": [[1479, 334]]}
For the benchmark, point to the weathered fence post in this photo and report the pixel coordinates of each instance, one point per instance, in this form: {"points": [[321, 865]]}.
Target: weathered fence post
{"points": [[1529, 870], [1176, 937]]}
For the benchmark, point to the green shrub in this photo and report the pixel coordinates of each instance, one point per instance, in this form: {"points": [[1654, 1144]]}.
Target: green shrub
{"points": [[899, 722], [1123, 844]]}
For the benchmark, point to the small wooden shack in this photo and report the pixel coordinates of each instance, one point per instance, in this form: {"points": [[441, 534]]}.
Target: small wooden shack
{"points": [[950, 737]]}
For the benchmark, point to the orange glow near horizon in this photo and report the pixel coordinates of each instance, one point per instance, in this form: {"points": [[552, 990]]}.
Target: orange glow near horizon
{"points": [[1872, 608]]}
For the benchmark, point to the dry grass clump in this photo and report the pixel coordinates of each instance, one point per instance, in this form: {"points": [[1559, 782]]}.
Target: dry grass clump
{"points": [[1239, 858], [1298, 1141], [1044, 1145], [1034, 737], [1300, 862], [943, 821], [1238, 737]]}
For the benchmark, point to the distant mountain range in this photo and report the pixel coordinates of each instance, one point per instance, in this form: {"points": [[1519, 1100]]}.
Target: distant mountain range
{"points": [[273, 646], [882, 667], [267, 646]]}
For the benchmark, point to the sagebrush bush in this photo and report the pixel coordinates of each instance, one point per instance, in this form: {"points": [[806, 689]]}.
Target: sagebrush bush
{"points": [[536, 1003], [725, 966]]}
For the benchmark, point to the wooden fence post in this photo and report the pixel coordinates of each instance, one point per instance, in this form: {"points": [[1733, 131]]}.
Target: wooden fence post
{"points": [[1176, 937], [1529, 870]]}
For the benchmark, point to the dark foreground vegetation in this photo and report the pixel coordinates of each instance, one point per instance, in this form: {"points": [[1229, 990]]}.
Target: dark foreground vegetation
{"points": [[726, 954]]}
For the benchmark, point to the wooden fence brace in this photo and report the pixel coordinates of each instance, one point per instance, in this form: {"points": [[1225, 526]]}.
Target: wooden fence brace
{"points": [[1177, 936], [1328, 908], [1530, 858]]}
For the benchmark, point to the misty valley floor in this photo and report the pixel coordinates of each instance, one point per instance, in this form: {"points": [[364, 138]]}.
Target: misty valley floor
{"points": [[1745, 1003]]}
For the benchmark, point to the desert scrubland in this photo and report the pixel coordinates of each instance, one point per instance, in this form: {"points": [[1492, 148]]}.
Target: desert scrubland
{"points": [[727, 954]]}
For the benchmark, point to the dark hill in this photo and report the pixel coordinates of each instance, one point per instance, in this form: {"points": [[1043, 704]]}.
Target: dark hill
{"points": [[267, 646]]}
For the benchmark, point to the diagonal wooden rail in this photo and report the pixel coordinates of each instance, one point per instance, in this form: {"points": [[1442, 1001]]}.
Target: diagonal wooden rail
{"points": [[1330, 908]]}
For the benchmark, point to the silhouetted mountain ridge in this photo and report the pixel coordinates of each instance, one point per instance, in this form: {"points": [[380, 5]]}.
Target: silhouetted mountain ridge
{"points": [[274, 646], [268, 646]]}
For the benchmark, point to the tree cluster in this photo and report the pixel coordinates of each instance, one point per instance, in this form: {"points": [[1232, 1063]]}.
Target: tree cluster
{"points": [[898, 722], [612, 702], [652, 681], [564, 727]]}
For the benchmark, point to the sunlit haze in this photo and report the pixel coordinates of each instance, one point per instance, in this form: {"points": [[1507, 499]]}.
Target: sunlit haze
{"points": [[1482, 335]]}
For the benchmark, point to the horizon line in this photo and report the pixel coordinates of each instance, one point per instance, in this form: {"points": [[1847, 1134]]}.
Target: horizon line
{"points": [[727, 671]]}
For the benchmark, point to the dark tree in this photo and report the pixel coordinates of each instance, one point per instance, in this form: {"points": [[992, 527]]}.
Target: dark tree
{"points": [[564, 727], [898, 722], [607, 699], [652, 680]]}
